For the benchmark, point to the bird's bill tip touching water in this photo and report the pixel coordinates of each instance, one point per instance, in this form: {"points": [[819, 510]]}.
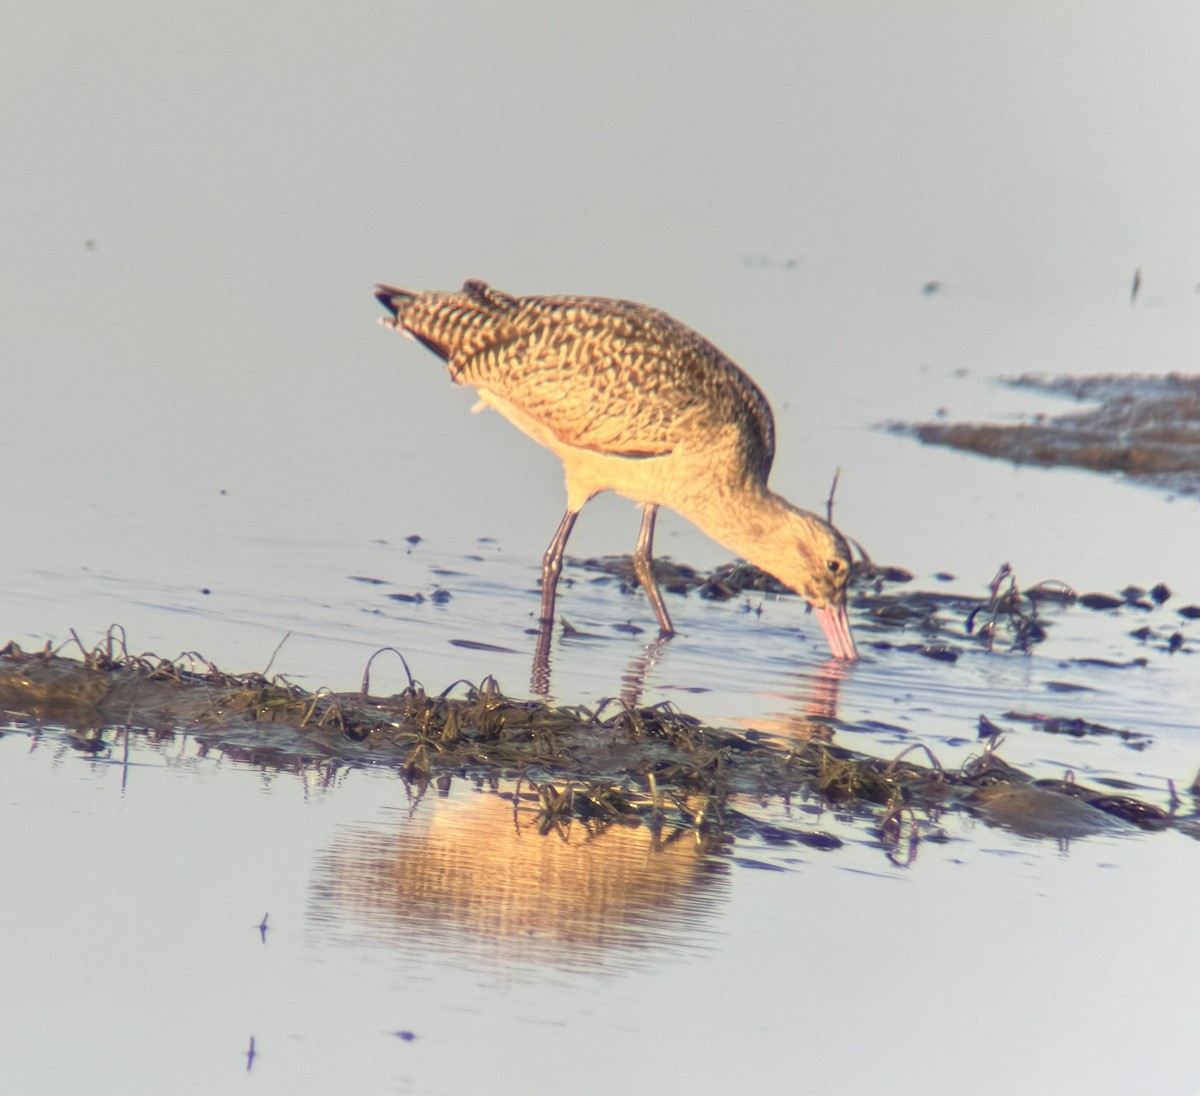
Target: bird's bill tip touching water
{"points": [[836, 626]]}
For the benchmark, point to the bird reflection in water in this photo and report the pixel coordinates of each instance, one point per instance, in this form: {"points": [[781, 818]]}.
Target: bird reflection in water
{"points": [[478, 877]]}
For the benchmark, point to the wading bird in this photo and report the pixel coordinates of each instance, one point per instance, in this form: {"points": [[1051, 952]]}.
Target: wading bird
{"points": [[635, 402]]}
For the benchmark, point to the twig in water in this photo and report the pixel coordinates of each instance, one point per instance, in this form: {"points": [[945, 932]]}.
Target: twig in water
{"points": [[271, 661], [832, 491], [366, 680]]}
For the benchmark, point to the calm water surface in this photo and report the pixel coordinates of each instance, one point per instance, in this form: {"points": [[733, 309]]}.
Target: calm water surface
{"points": [[210, 442]]}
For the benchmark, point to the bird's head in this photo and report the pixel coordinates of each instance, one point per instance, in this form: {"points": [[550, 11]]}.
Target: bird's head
{"points": [[820, 573]]}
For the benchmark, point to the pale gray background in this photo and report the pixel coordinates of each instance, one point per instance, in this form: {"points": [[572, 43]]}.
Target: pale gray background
{"points": [[196, 201]]}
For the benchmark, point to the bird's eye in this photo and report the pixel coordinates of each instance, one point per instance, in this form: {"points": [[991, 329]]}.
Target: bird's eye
{"points": [[834, 565]]}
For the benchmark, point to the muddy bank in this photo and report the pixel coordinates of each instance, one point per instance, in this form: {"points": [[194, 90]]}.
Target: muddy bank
{"points": [[1146, 428], [617, 764]]}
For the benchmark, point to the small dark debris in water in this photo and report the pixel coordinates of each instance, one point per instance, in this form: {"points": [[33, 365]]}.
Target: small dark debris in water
{"points": [[1067, 687], [758, 865], [1190, 612], [1116, 782], [1139, 598], [404, 1036], [1054, 591], [414, 539], [818, 839], [440, 596], [894, 574], [723, 583], [775, 835], [1160, 593], [940, 654], [1080, 728], [988, 729], [369, 581], [901, 612], [628, 628], [1132, 810], [1008, 609], [205, 591], [1124, 807], [477, 645], [931, 287], [569, 631], [88, 741], [879, 725], [1170, 644], [944, 576], [1110, 663], [1100, 601], [415, 599]]}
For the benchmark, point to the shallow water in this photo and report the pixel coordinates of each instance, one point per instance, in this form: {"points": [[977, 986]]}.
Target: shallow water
{"points": [[493, 947], [210, 441]]}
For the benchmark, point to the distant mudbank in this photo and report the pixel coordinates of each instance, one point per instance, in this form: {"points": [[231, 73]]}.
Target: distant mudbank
{"points": [[1147, 428]]}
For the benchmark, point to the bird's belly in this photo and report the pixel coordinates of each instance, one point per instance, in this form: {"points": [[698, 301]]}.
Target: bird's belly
{"points": [[527, 424], [667, 479], [659, 479]]}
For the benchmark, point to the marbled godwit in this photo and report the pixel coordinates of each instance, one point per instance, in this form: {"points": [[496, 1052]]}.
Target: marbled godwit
{"points": [[633, 401]]}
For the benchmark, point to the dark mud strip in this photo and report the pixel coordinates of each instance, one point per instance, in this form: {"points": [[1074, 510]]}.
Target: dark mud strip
{"points": [[936, 625], [617, 765], [1146, 428]]}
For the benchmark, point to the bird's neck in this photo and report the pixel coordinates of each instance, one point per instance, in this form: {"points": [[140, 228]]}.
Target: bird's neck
{"points": [[757, 524]]}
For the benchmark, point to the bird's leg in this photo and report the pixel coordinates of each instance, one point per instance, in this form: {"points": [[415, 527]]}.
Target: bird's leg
{"points": [[643, 567], [539, 677], [552, 566]]}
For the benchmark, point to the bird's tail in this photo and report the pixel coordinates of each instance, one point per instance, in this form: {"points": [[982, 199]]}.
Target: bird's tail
{"points": [[444, 322], [400, 302]]}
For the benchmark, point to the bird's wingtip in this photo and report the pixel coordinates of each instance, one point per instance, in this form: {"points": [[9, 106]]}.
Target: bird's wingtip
{"points": [[390, 297]]}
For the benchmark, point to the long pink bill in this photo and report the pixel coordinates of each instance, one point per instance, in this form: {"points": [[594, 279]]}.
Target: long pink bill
{"points": [[836, 626]]}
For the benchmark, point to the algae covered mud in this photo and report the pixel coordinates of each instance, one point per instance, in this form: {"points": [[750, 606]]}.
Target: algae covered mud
{"points": [[620, 763], [1144, 427]]}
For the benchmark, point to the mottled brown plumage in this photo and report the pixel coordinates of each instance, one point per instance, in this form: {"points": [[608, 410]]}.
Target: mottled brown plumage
{"points": [[634, 401]]}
